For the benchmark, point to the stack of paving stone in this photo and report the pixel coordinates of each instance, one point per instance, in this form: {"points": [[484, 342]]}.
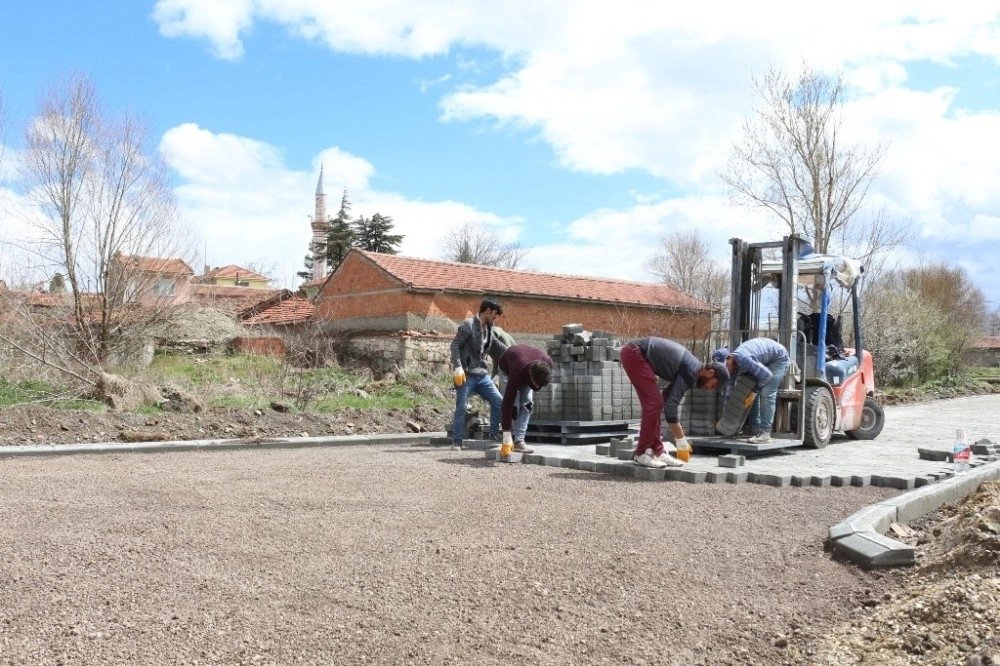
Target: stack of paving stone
{"points": [[588, 383]]}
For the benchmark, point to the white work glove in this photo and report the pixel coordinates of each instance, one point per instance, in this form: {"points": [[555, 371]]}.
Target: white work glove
{"points": [[459, 376], [508, 444]]}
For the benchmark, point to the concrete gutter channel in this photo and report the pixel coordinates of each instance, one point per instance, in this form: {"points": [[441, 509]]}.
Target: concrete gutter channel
{"points": [[929, 484]]}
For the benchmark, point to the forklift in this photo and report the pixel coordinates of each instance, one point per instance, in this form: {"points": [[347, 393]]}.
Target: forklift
{"points": [[829, 388]]}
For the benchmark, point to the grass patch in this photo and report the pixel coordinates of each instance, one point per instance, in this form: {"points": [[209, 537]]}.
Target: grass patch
{"points": [[30, 391]]}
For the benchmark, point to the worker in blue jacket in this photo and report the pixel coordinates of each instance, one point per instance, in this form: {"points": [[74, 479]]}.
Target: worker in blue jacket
{"points": [[767, 362]]}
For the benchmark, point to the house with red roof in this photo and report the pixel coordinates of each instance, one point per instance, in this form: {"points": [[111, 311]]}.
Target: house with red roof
{"points": [[149, 280], [233, 276], [408, 309], [983, 352]]}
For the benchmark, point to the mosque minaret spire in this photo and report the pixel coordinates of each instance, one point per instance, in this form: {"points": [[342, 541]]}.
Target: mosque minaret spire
{"points": [[320, 229]]}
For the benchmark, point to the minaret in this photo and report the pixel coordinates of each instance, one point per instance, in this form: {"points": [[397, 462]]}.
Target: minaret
{"points": [[320, 228]]}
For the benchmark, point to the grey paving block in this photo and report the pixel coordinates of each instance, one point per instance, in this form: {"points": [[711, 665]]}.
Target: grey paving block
{"points": [[552, 461], [648, 473], [731, 460], [897, 482], [533, 458], [934, 454], [871, 549], [800, 481], [673, 474], [625, 470], [607, 467], [840, 481], [587, 465], [716, 477], [691, 476], [861, 480], [626, 453], [603, 449], [821, 481], [776, 480], [737, 477]]}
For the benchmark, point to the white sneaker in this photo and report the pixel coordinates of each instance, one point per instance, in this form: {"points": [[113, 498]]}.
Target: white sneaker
{"points": [[668, 460], [647, 460], [761, 438]]}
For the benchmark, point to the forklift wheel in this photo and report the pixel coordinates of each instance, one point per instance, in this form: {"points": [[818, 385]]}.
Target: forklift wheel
{"points": [[819, 417], [872, 420]]}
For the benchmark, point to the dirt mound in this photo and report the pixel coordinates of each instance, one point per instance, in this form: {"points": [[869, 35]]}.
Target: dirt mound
{"points": [[947, 609], [970, 538]]}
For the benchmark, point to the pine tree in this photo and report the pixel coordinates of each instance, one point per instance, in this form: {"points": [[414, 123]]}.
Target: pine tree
{"points": [[374, 234], [340, 238]]}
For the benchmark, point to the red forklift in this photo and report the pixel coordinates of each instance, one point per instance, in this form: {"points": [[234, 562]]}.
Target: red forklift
{"points": [[829, 387]]}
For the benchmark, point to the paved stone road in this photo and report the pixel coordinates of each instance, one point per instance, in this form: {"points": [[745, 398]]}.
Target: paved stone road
{"points": [[892, 459]]}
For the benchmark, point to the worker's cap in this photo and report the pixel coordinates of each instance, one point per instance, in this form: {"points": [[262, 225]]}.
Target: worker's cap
{"points": [[720, 355], [721, 371]]}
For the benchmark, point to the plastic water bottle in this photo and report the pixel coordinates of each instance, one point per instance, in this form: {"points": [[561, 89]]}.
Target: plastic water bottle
{"points": [[961, 452]]}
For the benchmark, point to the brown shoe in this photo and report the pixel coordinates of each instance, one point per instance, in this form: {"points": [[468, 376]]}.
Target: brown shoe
{"points": [[521, 447]]}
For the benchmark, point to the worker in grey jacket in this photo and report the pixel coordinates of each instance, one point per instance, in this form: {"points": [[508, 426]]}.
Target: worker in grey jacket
{"points": [[767, 362], [646, 359], [470, 350]]}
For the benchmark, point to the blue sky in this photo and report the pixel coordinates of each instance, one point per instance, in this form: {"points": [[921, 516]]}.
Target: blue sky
{"points": [[582, 130]]}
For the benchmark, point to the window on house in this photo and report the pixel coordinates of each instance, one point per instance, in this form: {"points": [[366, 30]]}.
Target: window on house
{"points": [[240, 282], [163, 287]]}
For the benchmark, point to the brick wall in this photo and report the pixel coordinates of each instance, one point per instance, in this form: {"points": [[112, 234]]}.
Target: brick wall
{"points": [[263, 345], [362, 297]]}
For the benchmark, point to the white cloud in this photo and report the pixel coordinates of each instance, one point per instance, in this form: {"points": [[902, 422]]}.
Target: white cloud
{"points": [[640, 87], [248, 206]]}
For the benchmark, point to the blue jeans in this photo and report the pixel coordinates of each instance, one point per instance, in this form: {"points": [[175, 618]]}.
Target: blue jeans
{"points": [[522, 405], [762, 413], [482, 386]]}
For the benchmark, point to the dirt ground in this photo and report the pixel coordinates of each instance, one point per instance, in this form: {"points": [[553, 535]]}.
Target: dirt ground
{"points": [[410, 555], [415, 555], [39, 425]]}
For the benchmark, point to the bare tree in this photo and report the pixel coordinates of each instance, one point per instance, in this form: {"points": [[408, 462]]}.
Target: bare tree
{"points": [[105, 204], [684, 262], [477, 243], [795, 162]]}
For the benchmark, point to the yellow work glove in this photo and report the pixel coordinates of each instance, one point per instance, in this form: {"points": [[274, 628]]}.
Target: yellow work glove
{"points": [[749, 400], [459, 376], [683, 448], [508, 444]]}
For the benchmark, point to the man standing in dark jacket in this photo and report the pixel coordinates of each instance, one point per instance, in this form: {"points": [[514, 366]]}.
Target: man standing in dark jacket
{"points": [[645, 359], [523, 370], [469, 353]]}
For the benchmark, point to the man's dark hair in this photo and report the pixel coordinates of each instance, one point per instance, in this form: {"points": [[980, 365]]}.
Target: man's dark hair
{"points": [[540, 373], [490, 304]]}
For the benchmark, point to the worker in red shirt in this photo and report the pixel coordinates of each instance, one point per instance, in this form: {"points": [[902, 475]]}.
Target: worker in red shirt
{"points": [[523, 370]]}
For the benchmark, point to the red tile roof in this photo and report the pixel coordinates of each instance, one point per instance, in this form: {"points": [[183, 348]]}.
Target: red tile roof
{"points": [[452, 276], [289, 311], [986, 342], [168, 266], [233, 271]]}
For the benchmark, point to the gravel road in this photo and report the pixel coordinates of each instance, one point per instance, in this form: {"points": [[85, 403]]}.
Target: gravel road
{"points": [[410, 555]]}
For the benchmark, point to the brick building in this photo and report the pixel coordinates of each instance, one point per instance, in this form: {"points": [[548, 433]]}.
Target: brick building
{"points": [[407, 309]]}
